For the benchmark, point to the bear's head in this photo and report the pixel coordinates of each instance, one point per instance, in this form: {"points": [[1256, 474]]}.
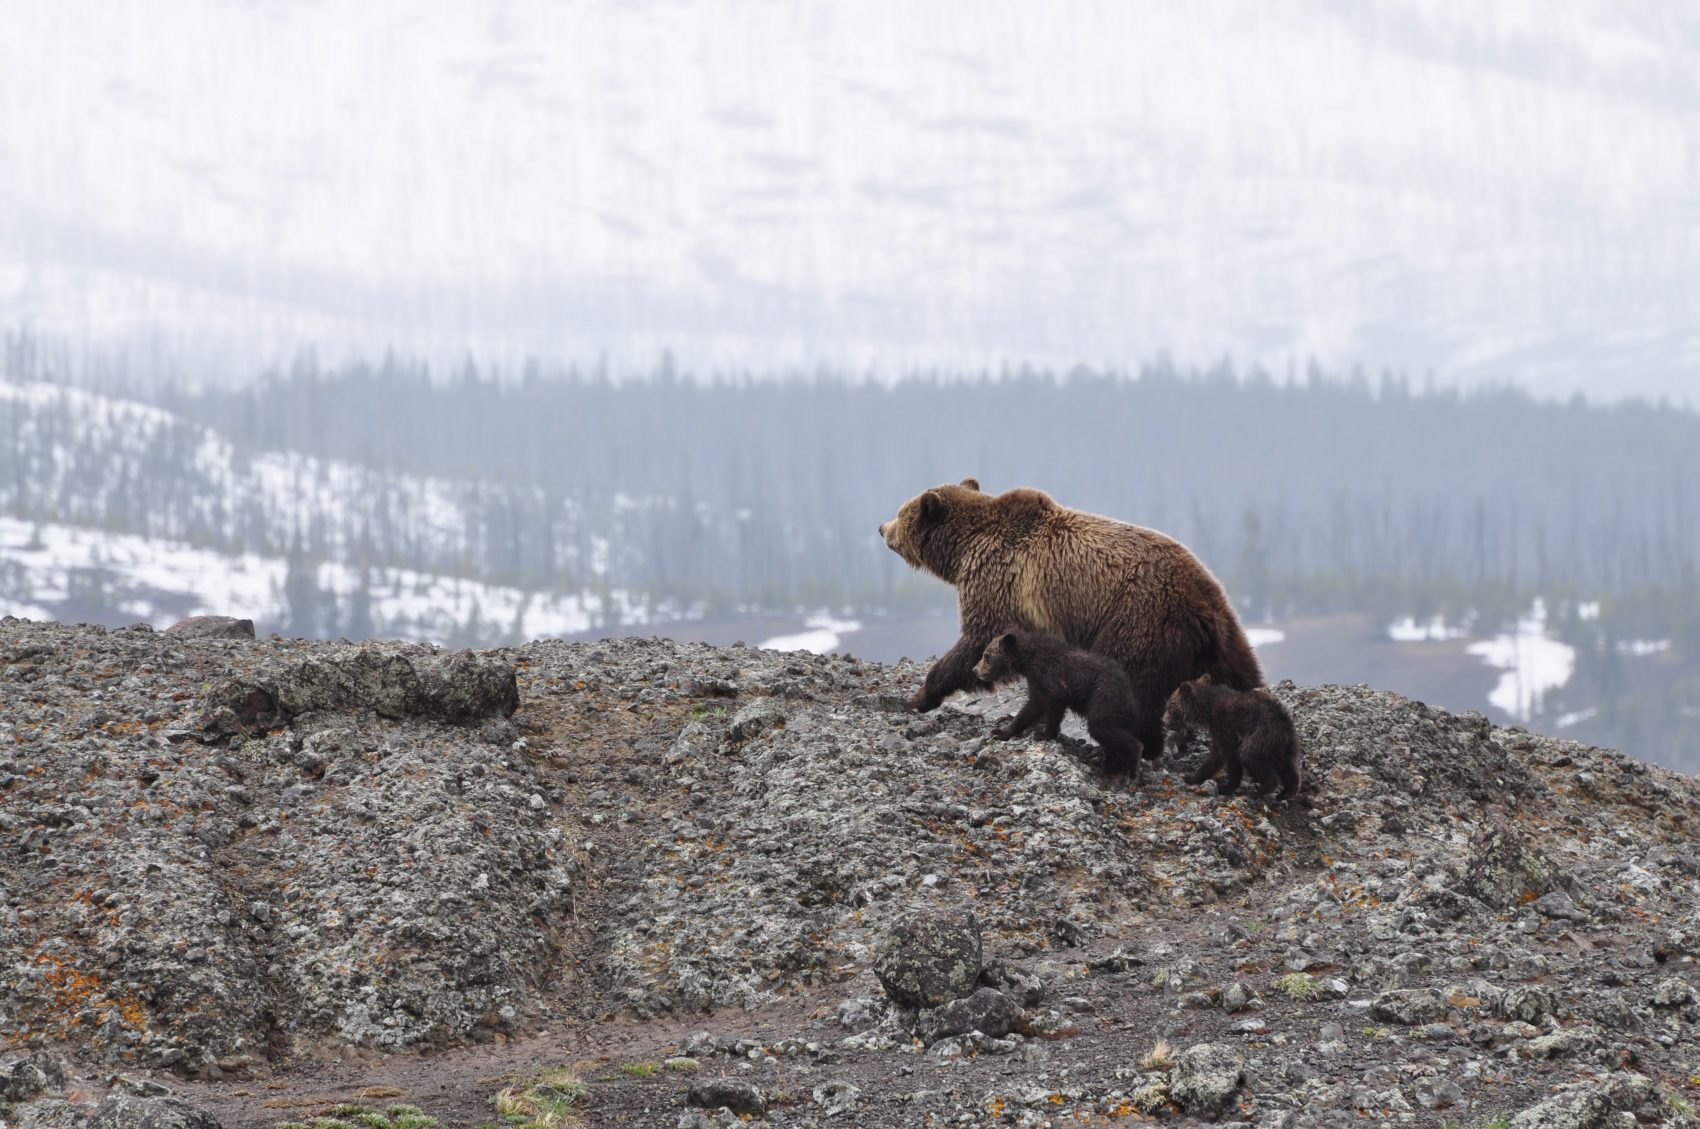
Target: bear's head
{"points": [[1186, 705], [929, 529], [1001, 661]]}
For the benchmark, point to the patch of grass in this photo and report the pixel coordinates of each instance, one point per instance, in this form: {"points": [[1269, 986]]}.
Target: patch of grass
{"points": [[641, 1069], [352, 1115], [1162, 1057], [1299, 986], [1497, 1123], [1379, 1033], [1679, 1103], [546, 1102], [700, 712], [1254, 925], [680, 1062]]}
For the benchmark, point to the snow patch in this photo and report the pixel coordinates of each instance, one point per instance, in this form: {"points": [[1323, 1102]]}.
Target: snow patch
{"points": [[1533, 663], [822, 637], [1408, 630], [1264, 636]]}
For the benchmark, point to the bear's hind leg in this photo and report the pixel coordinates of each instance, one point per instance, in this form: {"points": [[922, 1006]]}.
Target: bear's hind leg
{"points": [[1121, 747]]}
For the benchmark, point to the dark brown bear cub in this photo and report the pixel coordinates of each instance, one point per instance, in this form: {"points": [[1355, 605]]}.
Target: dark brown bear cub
{"points": [[1250, 731], [1061, 678]]}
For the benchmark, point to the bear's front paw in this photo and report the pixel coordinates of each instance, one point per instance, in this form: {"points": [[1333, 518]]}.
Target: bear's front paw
{"points": [[922, 702], [1004, 730]]}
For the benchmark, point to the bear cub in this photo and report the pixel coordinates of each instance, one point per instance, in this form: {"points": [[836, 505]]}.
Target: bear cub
{"points": [[1250, 731], [1061, 678]]}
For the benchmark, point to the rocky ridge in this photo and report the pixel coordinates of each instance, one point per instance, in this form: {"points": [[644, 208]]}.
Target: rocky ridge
{"points": [[229, 858]]}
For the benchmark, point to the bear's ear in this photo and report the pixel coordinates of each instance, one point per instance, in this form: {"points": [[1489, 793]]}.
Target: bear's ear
{"points": [[971, 483], [1204, 680], [1008, 640], [932, 505]]}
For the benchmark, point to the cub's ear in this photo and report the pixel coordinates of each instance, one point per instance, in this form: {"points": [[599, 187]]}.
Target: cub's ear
{"points": [[1007, 640], [971, 483], [1204, 680], [932, 505]]}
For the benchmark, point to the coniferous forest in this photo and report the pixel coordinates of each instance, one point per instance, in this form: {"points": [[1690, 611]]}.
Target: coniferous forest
{"points": [[1311, 494]]}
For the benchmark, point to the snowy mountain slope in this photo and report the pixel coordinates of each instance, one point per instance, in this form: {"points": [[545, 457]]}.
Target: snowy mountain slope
{"points": [[1500, 191], [71, 573], [101, 460]]}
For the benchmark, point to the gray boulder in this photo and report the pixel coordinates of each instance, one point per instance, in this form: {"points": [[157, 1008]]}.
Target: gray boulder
{"points": [[23, 1077], [1409, 1006], [1504, 871], [931, 958], [118, 1110], [732, 1093], [1205, 1079], [987, 1011], [1591, 1105]]}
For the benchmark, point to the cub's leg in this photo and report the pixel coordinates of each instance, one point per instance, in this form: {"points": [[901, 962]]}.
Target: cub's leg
{"points": [[1211, 766], [1053, 721], [1023, 721], [1235, 766]]}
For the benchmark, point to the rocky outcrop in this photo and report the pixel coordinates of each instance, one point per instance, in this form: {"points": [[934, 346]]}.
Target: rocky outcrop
{"points": [[224, 857]]}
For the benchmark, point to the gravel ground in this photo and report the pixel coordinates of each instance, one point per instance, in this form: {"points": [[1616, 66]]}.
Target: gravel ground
{"points": [[269, 875]]}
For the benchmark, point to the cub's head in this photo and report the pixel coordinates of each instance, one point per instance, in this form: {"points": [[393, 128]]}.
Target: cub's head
{"points": [[928, 530], [1001, 660], [1186, 704]]}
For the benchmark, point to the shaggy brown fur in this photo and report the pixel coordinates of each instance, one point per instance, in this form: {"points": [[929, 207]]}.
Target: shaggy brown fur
{"points": [[1250, 731], [1062, 678], [1131, 594]]}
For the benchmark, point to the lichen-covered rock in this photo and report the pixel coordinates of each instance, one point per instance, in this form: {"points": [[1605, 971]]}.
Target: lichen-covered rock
{"points": [[24, 1076], [1409, 1006], [1529, 1003], [733, 1093], [987, 1011], [390, 680], [836, 1097], [1504, 871], [1205, 1079], [753, 720], [1672, 992], [1591, 1105], [930, 958], [463, 686], [118, 1110], [212, 627], [387, 881]]}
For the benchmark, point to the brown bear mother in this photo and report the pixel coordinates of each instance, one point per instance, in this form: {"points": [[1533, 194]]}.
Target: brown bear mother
{"points": [[1130, 593]]}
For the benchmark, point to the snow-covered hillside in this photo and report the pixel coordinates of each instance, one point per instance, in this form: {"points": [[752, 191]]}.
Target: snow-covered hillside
{"points": [[1486, 191], [119, 463], [61, 572], [121, 509]]}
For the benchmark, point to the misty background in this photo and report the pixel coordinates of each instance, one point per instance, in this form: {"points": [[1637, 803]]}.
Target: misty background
{"points": [[479, 323]]}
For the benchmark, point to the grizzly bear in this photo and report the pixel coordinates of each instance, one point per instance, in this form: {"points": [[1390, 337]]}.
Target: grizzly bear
{"points": [[1250, 731], [1062, 678], [1128, 593]]}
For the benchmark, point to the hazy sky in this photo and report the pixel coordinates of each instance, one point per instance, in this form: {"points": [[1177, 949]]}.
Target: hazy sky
{"points": [[1506, 190]]}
